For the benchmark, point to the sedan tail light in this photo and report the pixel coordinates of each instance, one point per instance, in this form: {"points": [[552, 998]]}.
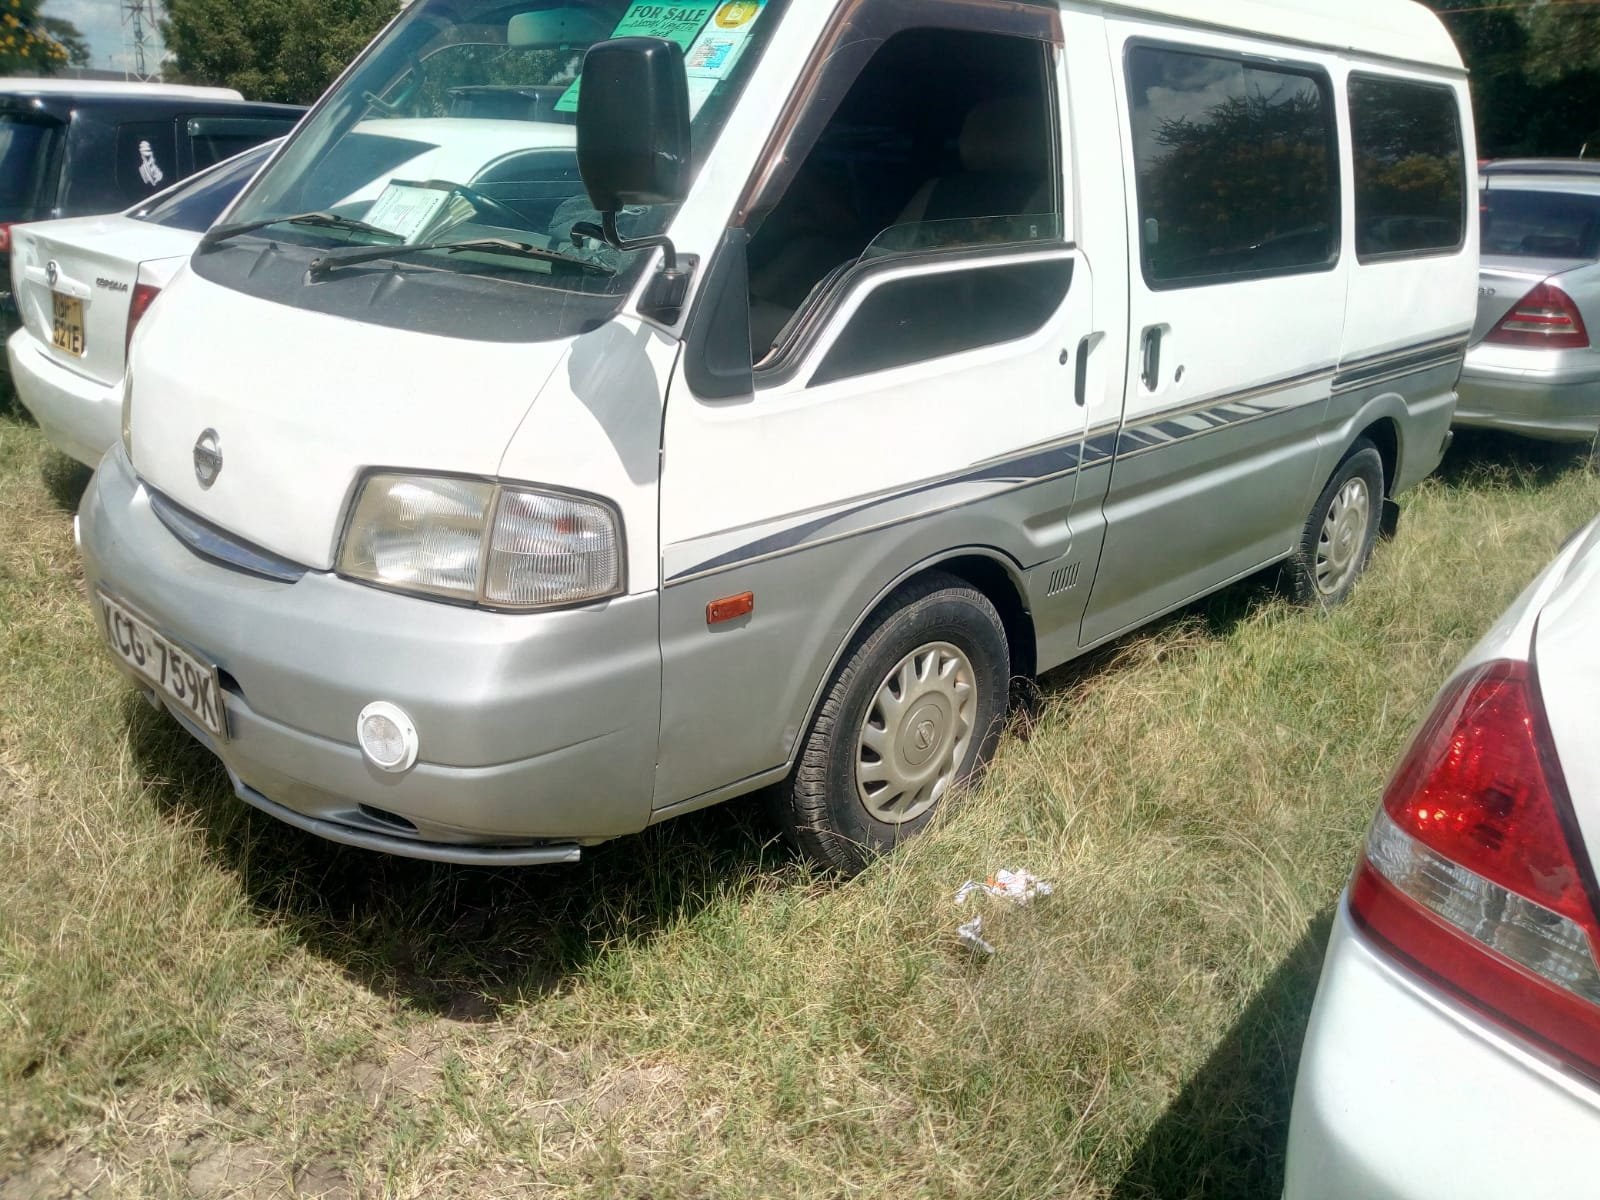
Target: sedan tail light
{"points": [[5, 237], [139, 303], [1474, 872], [1545, 317]]}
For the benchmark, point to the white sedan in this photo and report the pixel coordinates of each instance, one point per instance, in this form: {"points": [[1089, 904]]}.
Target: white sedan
{"points": [[1454, 1048], [82, 285]]}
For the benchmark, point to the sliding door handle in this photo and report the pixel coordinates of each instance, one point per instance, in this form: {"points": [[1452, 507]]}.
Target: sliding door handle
{"points": [[1150, 364]]}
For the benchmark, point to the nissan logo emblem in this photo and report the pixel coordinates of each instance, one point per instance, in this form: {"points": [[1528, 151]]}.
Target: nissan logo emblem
{"points": [[207, 458], [52, 272]]}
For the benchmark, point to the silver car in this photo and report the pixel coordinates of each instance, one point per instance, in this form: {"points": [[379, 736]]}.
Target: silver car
{"points": [[1532, 367]]}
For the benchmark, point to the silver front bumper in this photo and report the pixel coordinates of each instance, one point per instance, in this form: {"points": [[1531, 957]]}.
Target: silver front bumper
{"points": [[534, 728]]}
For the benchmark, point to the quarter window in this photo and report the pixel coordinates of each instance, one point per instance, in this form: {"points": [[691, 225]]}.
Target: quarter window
{"points": [[1236, 167], [1410, 183]]}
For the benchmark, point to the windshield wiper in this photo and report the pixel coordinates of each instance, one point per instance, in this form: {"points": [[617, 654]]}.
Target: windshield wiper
{"points": [[326, 220], [322, 267]]}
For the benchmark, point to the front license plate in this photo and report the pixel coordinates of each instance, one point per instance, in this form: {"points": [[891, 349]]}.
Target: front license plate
{"points": [[67, 330], [181, 678]]}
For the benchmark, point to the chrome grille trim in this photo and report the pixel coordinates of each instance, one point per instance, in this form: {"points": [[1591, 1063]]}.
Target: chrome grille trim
{"points": [[206, 540]]}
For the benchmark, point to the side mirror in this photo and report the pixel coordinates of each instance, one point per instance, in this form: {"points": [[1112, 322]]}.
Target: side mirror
{"points": [[633, 123]]}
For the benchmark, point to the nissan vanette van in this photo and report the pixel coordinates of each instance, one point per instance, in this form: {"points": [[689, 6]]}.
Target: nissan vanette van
{"points": [[600, 409]]}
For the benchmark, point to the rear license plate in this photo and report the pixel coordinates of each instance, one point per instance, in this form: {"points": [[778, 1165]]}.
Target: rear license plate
{"points": [[182, 679], [67, 330]]}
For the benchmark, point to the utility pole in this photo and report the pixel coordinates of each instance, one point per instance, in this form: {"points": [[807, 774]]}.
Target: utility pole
{"points": [[139, 27]]}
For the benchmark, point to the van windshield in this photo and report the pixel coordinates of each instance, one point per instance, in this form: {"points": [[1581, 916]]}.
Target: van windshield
{"points": [[459, 124], [26, 143]]}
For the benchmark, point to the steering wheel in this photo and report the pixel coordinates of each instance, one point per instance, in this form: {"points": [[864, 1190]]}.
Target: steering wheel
{"points": [[490, 207]]}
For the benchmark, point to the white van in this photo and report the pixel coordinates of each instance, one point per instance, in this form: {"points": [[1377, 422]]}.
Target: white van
{"points": [[505, 474]]}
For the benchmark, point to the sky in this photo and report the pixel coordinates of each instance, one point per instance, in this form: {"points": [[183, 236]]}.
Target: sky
{"points": [[101, 24]]}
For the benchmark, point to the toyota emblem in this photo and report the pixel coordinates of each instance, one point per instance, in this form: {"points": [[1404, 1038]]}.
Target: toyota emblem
{"points": [[207, 458], [52, 272]]}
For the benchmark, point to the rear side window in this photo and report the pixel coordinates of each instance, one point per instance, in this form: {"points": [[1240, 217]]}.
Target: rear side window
{"points": [[1237, 167], [197, 203], [1409, 169], [146, 159], [27, 148], [214, 139], [1528, 224]]}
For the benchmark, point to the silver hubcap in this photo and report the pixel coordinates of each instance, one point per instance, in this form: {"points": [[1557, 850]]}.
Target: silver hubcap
{"points": [[1344, 533], [917, 733]]}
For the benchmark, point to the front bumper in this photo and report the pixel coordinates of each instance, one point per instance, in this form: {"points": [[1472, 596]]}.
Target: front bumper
{"points": [[1554, 405], [78, 416], [1404, 1095], [534, 728]]}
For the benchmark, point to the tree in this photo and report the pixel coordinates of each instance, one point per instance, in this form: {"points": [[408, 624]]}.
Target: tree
{"points": [[26, 44], [285, 50], [69, 38]]}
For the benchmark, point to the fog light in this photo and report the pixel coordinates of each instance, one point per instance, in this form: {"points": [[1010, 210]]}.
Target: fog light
{"points": [[387, 736]]}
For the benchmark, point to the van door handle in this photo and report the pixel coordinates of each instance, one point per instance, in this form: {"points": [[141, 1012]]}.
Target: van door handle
{"points": [[1080, 379], [1150, 372]]}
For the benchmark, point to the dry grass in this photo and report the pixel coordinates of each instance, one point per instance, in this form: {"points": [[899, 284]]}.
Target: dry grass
{"points": [[195, 1000]]}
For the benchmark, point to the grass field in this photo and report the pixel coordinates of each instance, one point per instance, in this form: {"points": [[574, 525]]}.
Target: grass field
{"points": [[195, 1000]]}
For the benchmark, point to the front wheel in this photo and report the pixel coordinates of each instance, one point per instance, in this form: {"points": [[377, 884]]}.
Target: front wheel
{"points": [[1340, 532], [912, 714]]}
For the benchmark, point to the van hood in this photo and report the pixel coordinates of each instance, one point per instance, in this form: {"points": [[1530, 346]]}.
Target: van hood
{"points": [[301, 404]]}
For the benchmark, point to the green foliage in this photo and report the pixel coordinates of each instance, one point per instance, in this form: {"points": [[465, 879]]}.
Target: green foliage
{"points": [[28, 43], [1535, 74], [286, 50]]}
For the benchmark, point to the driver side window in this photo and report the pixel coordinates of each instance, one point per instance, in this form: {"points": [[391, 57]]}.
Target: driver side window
{"points": [[946, 141]]}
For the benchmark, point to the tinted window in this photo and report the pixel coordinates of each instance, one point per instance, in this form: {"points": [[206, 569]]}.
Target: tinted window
{"points": [[25, 149], [1540, 224], [902, 168], [1236, 166], [199, 202], [215, 139], [1410, 184], [146, 162]]}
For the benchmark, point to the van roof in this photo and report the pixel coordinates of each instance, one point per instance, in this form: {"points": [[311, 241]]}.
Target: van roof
{"points": [[1397, 30], [113, 87]]}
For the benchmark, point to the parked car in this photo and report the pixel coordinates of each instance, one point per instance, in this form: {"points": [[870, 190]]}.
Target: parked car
{"points": [[71, 148], [1533, 368], [1454, 1048], [506, 473], [83, 283]]}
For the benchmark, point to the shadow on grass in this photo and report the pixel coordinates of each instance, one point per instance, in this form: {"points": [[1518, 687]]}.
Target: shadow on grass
{"points": [[459, 942], [1224, 1136], [1483, 457], [65, 479]]}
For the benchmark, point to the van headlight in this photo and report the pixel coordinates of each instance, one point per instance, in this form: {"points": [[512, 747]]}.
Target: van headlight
{"points": [[500, 545]]}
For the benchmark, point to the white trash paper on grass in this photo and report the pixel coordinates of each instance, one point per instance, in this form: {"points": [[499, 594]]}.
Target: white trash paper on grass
{"points": [[1019, 888]]}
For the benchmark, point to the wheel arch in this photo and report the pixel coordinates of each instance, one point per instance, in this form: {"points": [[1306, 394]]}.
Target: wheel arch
{"points": [[989, 570]]}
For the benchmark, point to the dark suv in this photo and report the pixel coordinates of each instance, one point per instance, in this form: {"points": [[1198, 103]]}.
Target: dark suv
{"points": [[73, 148]]}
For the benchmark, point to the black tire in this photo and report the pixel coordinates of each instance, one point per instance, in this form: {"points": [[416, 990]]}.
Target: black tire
{"points": [[1332, 553], [822, 805]]}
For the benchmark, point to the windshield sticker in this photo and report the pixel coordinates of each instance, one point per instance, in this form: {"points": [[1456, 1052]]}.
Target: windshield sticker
{"points": [[679, 23], [149, 170], [716, 51], [406, 209]]}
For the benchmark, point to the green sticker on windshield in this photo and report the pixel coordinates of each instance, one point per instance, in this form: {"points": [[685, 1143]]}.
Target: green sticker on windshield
{"points": [[679, 23]]}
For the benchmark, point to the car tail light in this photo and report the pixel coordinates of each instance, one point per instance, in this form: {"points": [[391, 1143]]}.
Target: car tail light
{"points": [[144, 295], [1474, 871], [5, 237], [1545, 317]]}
